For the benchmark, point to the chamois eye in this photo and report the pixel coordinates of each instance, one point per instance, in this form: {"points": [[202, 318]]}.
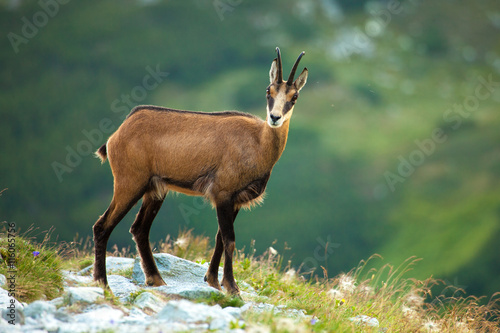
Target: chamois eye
{"points": [[268, 92], [294, 98]]}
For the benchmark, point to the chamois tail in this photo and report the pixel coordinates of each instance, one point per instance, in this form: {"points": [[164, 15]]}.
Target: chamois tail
{"points": [[102, 153]]}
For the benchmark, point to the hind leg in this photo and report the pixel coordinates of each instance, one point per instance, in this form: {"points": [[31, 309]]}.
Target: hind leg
{"points": [[140, 231], [123, 200]]}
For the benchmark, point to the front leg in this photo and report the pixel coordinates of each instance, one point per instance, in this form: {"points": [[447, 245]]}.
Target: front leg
{"points": [[212, 276], [225, 243]]}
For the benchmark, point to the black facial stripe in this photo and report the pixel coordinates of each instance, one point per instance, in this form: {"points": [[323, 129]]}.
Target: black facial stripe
{"points": [[270, 103], [288, 106]]}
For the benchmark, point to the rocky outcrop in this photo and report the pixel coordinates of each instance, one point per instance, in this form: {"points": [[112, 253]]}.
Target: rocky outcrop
{"points": [[135, 307]]}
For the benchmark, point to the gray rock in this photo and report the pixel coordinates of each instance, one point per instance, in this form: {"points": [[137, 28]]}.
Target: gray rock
{"points": [[74, 328], [63, 316], [87, 271], [3, 280], [148, 301], [135, 316], [84, 294], [48, 323], [11, 329], [184, 311], [121, 286], [246, 287], [100, 316], [76, 278], [113, 265], [365, 320], [190, 291], [6, 300], [280, 309], [235, 312], [57, 302], [11, 309], [14, 316], [39, 309], [172, 268], [116, 264], [183, 278]]}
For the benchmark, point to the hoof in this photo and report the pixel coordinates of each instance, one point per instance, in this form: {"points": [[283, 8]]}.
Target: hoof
{"points": [[231, 288], [155, 281], [212, 282], [101, 281]]}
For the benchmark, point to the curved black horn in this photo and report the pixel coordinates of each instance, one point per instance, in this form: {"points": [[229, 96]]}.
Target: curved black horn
{"points": [[280, 68], [292, 73]]}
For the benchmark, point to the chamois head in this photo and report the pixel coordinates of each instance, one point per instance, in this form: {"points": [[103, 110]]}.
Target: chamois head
{"points": [[281, 95]]}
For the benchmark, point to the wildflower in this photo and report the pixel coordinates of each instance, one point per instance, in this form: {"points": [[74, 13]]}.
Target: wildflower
{"points": [[409, 312], [335, 294], [367, 290], [314, 320], [346, 283], [365, 320], [289, 276], [35, 253], [431, 326], [182, 243], [414, 299], [272, 251]]}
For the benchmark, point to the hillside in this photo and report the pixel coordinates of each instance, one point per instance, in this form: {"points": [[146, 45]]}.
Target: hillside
{"points": [[393, 146]]}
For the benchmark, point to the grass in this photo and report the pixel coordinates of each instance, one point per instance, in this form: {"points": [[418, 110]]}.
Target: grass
{"points": [[32, 261], [399, 302]]}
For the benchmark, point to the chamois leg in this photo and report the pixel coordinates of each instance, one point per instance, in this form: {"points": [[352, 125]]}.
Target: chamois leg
{"points": [[225, 216], [212, 276], [122, 202], [140, 231]]}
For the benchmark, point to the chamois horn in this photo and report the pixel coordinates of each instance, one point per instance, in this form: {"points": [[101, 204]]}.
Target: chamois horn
{"points": [[280, 67], [292, 73]]}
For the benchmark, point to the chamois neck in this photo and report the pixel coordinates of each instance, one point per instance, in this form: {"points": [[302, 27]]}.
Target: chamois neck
{"points": [[276, 140]]}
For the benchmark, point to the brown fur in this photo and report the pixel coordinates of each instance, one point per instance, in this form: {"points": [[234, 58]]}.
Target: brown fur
{"points": [[226, 157], [194, 153]]}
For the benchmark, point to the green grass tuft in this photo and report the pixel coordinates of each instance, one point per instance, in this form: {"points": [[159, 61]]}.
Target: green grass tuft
{"points": [[36, 272]]}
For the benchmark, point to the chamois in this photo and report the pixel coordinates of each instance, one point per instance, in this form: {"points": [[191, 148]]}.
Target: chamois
{"points": [[227, 157]]}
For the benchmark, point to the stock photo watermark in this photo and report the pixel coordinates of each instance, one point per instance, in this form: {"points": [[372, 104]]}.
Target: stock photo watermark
{"points": [[321, 253], [188, 211], [454, 116], [11, 313], [222, 7], [93, 138], [31, 27]]}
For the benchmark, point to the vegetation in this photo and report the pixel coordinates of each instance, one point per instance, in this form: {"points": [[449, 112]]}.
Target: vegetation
{"points": [[399, 303], [34, 270], [362, 172]]}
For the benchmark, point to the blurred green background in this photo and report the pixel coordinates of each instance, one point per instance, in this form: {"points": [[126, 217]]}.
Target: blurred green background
{"points": [[394, 146]]}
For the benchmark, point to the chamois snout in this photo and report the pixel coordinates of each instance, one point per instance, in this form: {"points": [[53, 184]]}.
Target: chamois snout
{"points": [[274, 121]]}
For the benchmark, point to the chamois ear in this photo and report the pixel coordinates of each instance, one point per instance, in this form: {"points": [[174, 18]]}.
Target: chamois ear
{"points": [[273, 73], [301, 80]]}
